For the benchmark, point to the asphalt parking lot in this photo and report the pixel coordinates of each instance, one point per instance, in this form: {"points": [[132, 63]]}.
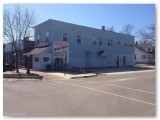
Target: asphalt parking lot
{"points": [[129, 94]]}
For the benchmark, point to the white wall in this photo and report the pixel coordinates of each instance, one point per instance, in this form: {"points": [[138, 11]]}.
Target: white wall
{"points": [[139, 54]]}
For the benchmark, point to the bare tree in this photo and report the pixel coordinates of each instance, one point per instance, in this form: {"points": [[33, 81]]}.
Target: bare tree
{"points": [[127, 29], [111, 29], [147, 34], [16, 24]]}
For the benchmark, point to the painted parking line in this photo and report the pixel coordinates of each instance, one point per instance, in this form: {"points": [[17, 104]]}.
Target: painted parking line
{"points": [[108, 84], [101, 91]]}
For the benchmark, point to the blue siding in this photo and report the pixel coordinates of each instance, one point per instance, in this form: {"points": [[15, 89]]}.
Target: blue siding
{"points": [[77, 55]]}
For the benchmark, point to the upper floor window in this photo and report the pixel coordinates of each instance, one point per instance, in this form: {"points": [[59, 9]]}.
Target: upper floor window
{"points": [[94, 40], [65, 36], [110, 42], [38, 37], [47, 36], [100, 41], [79, 38], [118, 42]]}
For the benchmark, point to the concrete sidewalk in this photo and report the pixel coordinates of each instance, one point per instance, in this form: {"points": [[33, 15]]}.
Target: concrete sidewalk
{"points": [[59, 75], [93, 72], [73, 76]]}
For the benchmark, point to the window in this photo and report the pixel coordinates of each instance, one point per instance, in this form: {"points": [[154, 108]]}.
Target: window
{"points": [[125, 45], [149, 49], [118, 42], [135, 57], [36, 59], [65, 36], [45, 59], [100, 41], [144, 56], [79, 38], [94, 40], [110, 42], [47, 36], [38, 38]]}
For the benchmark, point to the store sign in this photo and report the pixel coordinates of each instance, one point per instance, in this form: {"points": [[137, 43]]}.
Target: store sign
{"points": [[61, 49], [60, 46]]}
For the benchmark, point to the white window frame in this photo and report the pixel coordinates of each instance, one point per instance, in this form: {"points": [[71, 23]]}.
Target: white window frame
{"points": [[110, 42], [94, 42], [100, 40], [43, 59], [47, 36], [79, 38]]}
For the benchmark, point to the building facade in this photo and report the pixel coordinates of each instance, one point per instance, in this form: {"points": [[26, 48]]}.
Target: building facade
{"points": [[87, 47], [144, 53]]}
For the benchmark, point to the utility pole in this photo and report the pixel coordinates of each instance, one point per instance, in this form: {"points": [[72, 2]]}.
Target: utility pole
{"points": [[65, 59], [28, 63]]}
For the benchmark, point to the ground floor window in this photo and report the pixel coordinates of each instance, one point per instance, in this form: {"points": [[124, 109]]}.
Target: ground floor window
{"points": [[45, 59], [36, 59], [144, 56]]}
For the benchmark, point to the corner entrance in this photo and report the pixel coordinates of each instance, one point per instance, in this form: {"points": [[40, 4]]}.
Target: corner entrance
{"points": [[58, 64]]}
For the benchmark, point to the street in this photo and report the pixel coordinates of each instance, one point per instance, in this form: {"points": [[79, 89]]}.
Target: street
{"points": [[129, 94]]}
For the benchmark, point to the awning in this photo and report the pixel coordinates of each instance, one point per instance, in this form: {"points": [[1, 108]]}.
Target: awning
{"points": [[102, 53], [37, 51]]}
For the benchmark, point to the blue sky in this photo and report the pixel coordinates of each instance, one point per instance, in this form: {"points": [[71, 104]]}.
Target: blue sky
{"points": [[96, 15]]}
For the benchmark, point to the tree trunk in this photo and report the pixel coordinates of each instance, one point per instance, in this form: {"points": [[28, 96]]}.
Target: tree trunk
{"points": [[17, 60]]}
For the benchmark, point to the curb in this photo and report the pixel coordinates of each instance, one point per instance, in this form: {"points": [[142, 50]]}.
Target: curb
{"points": [[113, 73], [82, 76], [74, 77]]}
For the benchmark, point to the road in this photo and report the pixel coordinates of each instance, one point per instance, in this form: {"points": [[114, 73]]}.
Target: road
{"points": [[129, 94]]}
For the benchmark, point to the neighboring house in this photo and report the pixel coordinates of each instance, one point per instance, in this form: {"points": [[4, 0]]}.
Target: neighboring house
{"points": [[9, 53], [144, 53], [85, 47]]}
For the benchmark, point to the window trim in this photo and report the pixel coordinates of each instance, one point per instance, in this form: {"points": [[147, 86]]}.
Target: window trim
{"points": [[100, 40], [110, 42], [94, 41], [79, 38]]}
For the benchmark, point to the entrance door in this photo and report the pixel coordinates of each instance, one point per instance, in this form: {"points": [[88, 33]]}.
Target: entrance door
{"points": [[117, 61], [124, 61], [58, 64]]}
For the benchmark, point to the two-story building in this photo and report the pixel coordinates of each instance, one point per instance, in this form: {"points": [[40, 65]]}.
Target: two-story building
{"points": [[80, 46]]}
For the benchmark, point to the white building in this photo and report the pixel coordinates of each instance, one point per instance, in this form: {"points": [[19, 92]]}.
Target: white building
{"points": [[144, 54]]}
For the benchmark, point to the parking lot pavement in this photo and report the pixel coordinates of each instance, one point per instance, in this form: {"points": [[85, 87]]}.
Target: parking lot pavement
{"points": [[131, 94]]}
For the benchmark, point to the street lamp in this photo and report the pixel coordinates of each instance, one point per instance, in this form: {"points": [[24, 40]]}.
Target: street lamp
{"points": [[28, 63]]}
